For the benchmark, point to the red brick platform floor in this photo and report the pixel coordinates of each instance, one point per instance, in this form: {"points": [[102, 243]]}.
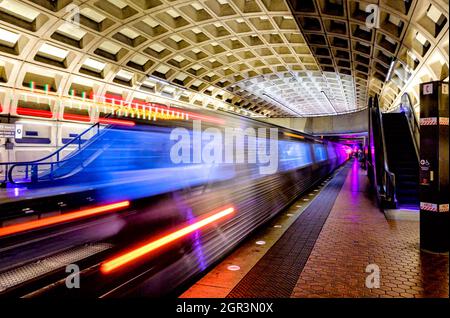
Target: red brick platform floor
{"points": [[355, 235]]}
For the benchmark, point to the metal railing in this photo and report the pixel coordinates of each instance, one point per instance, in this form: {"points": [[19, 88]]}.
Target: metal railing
{"points": [[414, 128], [47, 165], [383, 179]]}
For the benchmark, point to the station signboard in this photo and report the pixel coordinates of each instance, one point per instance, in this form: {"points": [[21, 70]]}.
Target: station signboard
{"points": [[11, 131]]}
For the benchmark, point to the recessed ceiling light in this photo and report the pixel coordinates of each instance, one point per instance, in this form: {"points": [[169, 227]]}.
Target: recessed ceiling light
{"points": [[124, 75], [163, 69], [118, 3], [169, 89], [412, 55], [394, 20], [148, 84], [110, 47], [179, 58], [157, 47], [421, 38], [196, 6], [8, 38], [152, 23], [94, 65], [434, 14], [197, 83], [181, 77], [92, 15], [53, 52], [176, 38], [20, 10], [71, 31], [129, 33], [139, 59], [173, 13]]}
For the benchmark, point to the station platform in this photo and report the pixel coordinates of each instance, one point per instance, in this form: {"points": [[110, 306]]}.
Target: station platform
{"points": [[322, 246]]}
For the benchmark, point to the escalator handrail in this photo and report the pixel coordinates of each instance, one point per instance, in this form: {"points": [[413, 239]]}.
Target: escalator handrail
{"points": [[51, 164], [77, 138], [389, 183], [10, 166], [414, 126]]}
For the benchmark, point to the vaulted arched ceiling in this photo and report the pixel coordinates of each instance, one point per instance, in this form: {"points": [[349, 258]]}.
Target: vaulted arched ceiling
{"points": [[256, 57]]}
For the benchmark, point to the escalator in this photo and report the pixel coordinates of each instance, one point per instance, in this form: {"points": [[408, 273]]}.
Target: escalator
{"points": [[402, 158], [116, 150], [393, 155], [76, 162], [32, 172]]}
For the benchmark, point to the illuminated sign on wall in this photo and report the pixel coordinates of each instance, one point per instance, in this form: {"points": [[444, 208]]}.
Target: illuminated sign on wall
{"points": [[11, 131]]}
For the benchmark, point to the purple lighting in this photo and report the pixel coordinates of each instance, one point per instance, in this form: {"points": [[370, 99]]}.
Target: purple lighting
{"points": [[355, 179]]}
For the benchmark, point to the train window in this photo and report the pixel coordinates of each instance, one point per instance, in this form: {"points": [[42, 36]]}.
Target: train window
{"points": [[319, 152], [294, 155]]}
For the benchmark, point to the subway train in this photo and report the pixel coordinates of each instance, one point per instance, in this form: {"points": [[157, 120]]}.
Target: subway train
{"points": [[191, 190]]}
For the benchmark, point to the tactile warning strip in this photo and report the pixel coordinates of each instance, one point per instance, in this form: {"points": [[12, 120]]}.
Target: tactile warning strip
{"points": [[276, 273], [30, 271]]}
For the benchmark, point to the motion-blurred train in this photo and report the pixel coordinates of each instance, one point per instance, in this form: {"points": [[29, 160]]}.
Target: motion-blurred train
{"points": [[181, 218]]}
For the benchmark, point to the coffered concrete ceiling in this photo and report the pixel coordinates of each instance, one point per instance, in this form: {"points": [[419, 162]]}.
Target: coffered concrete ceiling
{"points": [[272, 58]]}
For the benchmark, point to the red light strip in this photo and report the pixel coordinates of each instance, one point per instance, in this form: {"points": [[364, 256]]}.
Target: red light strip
{"points": [[116, 122], [101, 120], [34, 112], [76, 117], [17, 228], [48, 114], [206, 118], [121, 260], [155, 107], [293, 135]]}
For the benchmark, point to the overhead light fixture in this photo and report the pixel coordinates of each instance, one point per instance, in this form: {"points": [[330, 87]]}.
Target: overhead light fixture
{"points": [[8, 38], [19, 10], [71, 31], [52, 52], [124, 75], [329, 102], [390, 71], [92, 14], [94, 65], [129, 33]]}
